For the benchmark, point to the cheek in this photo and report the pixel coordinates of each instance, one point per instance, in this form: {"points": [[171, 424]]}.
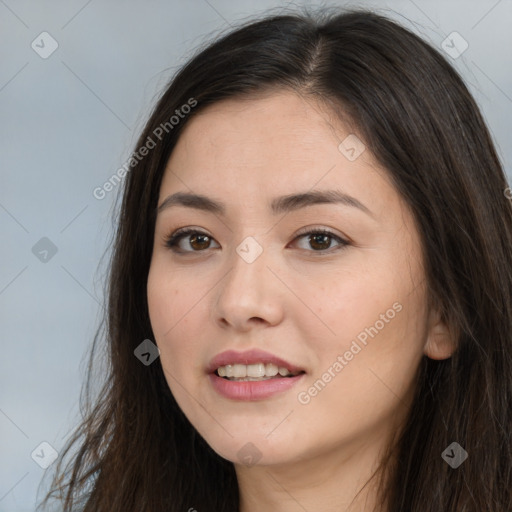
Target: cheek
{"points": [[376, 324], [165, 304], [173, 312], [351, 301], [366, 375], [167, 298]]}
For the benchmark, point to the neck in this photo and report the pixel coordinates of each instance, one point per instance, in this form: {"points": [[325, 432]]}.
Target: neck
{"points": [[345, 479]]}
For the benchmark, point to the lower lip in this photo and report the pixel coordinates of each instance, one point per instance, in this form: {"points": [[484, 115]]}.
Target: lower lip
{"points": [[252, 390]]}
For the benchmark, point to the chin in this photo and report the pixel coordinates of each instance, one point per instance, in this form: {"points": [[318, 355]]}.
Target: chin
{"points": [[252, 449]]}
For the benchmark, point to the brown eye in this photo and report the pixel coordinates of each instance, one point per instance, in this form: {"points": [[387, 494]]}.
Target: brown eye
{"points": [[320, 240], [196, 240], [190, 240], [199, 242]]}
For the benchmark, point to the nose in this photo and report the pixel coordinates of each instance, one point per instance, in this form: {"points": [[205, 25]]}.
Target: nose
{"points": [[250, 294]]}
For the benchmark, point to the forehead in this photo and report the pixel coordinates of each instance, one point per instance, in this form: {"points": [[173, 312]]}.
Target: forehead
{"points": [[250, 130], [279, 143]]}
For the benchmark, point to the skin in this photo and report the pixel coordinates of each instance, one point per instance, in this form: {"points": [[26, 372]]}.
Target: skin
{"points": [[292, 301]]}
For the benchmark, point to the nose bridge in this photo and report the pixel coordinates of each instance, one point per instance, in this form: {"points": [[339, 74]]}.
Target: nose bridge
{"points": [[246, 292], [248, 266]]}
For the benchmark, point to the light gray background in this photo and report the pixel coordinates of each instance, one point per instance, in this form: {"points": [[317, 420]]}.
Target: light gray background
{"points": [[68, 122]]}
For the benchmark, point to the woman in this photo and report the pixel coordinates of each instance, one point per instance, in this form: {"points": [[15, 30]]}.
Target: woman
{"points": [[315, 235]]}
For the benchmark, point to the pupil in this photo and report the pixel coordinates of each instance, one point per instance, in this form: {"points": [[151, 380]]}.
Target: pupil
{"points": [[323, 245], [195, 238]]}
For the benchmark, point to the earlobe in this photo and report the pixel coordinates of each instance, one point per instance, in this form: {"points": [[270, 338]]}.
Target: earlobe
{"points": [[440, 342]]}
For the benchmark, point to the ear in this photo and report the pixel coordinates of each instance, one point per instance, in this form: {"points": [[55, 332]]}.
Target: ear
{"points": [[441, 343]]}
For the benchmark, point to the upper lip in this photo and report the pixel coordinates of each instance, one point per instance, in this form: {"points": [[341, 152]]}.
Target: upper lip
{"points": [[249, 357]]}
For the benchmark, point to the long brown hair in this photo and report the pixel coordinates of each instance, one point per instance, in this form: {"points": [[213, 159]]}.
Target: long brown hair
{"points": [[135, 450]]}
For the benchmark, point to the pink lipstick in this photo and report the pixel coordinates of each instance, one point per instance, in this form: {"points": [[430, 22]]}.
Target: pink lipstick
{"points": [[252, 375]]}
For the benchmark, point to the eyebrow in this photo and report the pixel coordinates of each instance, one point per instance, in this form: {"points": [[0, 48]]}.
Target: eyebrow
{"points": [[282, 204]]}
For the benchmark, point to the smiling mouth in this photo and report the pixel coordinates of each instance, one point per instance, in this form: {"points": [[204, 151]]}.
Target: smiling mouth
{"points": [[254, 372]]}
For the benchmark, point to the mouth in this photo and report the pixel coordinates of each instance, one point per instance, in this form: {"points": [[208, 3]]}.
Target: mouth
{"points": [[251, 364], [252, 375], [255, 372]]}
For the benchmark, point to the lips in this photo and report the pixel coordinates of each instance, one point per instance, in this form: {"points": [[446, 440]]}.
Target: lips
{"points": [[253, 356]]}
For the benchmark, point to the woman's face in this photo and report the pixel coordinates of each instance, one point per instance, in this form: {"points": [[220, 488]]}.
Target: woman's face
{"points": [[346, 309]]}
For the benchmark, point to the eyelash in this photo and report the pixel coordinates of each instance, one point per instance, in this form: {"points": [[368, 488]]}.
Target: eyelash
{"points": [[172, 240]]}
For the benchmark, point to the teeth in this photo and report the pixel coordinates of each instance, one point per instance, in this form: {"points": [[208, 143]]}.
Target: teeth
{"points": [[239, 370], [271, 369], [256, 370], [252, 371]]}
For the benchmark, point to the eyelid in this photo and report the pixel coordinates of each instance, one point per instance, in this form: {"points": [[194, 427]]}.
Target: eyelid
{"points": [[342, 240], [175, 237], [320, 229]]}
